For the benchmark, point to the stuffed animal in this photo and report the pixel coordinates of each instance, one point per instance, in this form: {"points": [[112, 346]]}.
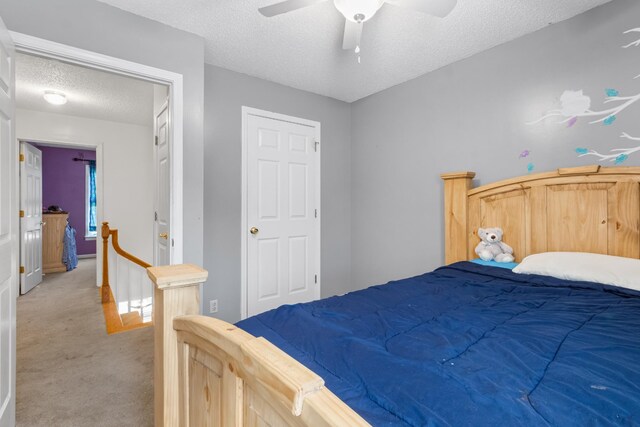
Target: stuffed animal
{"points": [[491, 246]]}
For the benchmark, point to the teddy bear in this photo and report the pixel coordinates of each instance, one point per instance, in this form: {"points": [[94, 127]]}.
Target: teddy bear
{"points": [[491, 246]]}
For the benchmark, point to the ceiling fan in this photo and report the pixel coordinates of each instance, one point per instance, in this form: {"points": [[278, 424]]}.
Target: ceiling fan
{"points": [[356, 12]]}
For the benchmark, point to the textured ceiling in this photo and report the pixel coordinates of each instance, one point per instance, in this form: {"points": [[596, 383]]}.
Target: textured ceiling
{"points": [[90, 93], [302, 49]]}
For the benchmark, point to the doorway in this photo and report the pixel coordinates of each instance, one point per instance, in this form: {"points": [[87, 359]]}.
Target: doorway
{"points": [[280, 210], [59, 199], [109, 113], [174, 96], [9, 229], [68, 194]]}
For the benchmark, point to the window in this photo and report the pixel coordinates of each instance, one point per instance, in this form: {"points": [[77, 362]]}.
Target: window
{"points": [[90, 201]]}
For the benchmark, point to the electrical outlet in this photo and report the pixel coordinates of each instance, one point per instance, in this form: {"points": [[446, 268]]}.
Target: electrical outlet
{"points": [[213, 306]]}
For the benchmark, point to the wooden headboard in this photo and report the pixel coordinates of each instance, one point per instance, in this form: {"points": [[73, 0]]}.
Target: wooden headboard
{"points": [[584, 209]]}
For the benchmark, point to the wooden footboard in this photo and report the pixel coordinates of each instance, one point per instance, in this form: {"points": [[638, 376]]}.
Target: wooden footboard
{"points": [[229, 377], [211, 373]]}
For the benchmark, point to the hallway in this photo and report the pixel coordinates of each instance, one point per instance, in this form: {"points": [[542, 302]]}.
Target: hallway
{"points": [[69, 371]]}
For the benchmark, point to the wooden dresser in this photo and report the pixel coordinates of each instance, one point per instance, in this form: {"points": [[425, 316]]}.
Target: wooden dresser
{"points": [[52, 242]]}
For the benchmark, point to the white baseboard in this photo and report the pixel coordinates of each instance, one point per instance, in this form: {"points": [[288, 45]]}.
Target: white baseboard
{"points": [[86, 256]]}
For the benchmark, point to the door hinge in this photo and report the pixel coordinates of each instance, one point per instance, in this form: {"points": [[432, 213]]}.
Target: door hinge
{"points": [[21, 214], [315, 146], [316, 213], [22, 269], [21, 157], [316, 279], [155, 216], [156, 139]]}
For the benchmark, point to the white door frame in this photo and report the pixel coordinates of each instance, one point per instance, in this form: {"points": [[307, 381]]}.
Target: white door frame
{"points": [[41, 47], [244, 227], [99, 186]]}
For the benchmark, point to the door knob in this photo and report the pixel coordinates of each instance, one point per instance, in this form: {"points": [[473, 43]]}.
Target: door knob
{"points": [[164, 235], [254, 230]]}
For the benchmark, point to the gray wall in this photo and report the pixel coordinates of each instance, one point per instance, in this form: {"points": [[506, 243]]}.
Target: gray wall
{"points": [[471, 116], [226, 93], [104, 29]]}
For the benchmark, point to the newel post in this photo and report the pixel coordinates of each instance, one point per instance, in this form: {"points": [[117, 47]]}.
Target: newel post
{"points": [[456, 215], [176, 293], [105, 290]]}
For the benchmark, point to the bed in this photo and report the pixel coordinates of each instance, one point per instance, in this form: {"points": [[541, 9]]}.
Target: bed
{"points": [[471, 345], [463, 345]]}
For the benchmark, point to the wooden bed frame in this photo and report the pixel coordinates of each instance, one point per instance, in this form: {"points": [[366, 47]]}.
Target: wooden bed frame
{"points": [[584, 209], [211, 373], [208, 372]]}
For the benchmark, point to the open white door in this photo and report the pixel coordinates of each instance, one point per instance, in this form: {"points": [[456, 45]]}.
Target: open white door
{"points": [[283, 205], [8, 233], [30, 217], [162, 237]]}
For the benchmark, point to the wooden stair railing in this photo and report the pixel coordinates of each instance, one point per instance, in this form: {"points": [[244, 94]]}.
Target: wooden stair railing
{"points": [[107, 295], [114, 320]]}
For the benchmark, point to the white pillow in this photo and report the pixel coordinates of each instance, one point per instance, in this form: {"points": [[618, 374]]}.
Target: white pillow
{"points": [[605, 269]]}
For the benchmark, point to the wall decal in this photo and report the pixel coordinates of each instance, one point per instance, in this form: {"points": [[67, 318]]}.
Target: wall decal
{"points": [[575, 104], [524, 154], [617, 155], [635, 43]]}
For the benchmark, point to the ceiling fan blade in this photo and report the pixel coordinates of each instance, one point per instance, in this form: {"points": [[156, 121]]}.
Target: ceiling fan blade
{"points": [[352, 34], [439, 8], [286, 6]]}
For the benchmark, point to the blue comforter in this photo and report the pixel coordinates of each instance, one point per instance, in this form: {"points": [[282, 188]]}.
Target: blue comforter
{"points": [[469, 345]]}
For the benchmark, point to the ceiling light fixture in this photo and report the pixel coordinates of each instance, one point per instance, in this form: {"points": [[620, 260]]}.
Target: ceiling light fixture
{"points": [[358, 10], [55, 98]]}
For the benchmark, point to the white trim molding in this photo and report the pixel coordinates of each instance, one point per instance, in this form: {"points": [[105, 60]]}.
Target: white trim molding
{"points": [[36, 46], [246, 112]]}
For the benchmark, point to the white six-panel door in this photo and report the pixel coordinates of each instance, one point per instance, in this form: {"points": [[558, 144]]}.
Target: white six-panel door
{"points": [[162, 238], [30, 217], [8, 233], [282, 211]]}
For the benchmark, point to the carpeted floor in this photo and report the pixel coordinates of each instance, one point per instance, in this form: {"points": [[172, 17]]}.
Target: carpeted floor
{"points": [[69, 371]]}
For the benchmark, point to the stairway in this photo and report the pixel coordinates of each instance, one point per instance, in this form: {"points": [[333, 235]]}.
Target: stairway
{"points": [[127, 292]]}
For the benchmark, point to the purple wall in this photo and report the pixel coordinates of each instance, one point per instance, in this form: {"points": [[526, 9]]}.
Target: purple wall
{"points": [[63, 184]]}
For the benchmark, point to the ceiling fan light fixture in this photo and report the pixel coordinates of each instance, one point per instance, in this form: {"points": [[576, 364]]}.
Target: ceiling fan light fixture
{"points": [[358, 10], [55, 98]]}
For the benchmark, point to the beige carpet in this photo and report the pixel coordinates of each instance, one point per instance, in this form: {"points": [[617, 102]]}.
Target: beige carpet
{"points": [[70, 372]]}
